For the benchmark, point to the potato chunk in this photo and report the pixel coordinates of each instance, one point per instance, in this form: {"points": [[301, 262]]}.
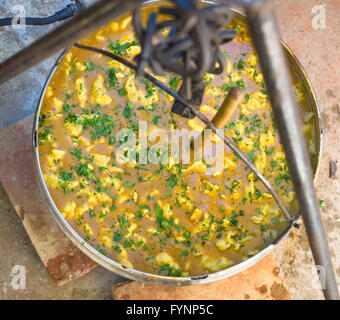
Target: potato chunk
{"points": [[101, 160], [81, 91], [68, 211], [99, 94], [196, 215], [215, 265], [165, 258]]}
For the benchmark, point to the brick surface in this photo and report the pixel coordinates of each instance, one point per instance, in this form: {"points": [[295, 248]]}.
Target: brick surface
{"points": [[62, 259], [259, 282]]}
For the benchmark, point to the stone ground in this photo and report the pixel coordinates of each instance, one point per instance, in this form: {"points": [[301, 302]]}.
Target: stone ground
{"points": [[318, 51], [16, 106]]}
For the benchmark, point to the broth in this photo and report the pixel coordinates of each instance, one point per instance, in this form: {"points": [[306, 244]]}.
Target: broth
{"points": [[169, 219]]}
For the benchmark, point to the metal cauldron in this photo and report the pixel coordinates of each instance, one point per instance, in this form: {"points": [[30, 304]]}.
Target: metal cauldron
{"points": [[126, 272]]}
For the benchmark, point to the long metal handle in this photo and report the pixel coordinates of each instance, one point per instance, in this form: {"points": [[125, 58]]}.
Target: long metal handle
{"points": [[227, 108], [65, 35], [224, 112], [265, 33]]}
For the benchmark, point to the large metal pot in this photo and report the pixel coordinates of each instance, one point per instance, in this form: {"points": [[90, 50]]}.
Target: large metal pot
{"points": [[153, 278]]}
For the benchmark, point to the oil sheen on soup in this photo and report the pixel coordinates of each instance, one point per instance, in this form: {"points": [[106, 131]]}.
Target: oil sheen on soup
{"points": [[171, 219]]}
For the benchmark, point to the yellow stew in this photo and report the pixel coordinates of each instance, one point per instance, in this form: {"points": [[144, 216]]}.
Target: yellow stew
{"points": [[169, 219]]}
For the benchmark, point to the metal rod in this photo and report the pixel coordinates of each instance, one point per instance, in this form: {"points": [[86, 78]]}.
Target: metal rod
{"points": [[64, 36], [265, 33]]}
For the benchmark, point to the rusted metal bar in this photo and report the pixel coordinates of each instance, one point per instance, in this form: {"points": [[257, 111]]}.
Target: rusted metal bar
{"points": [[265, 33], [64, 36]]}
